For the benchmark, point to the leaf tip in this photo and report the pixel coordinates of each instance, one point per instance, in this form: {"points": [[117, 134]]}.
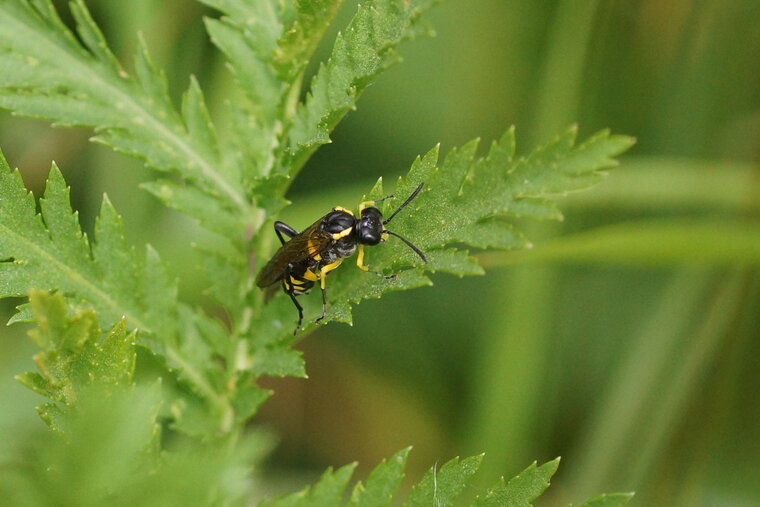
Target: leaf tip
{"points": [[55, 175]]}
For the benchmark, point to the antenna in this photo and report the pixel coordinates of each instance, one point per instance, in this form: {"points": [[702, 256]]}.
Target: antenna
{"points": [[409, 244], [408, 200]]}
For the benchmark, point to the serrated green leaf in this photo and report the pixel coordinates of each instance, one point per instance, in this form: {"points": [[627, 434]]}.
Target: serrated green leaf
{"points": [[609, 500], [198, 121], [212, 213], [276, 361], [522, 489], [55, 77], [468, 200], [381, 484], [73, 352], [245, 48], [325, 493], [442, 487], [92, 36], [437, 488], [23, 314], [232, 183], [455, 262], [115, 260], [366, 48], [248, 398], [299, 41], [49, 252], [153, 82]]}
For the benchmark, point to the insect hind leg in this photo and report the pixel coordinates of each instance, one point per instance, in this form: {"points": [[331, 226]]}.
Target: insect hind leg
{"points": [[282, 228], [322, 285], [290, 291], [324, 305]]}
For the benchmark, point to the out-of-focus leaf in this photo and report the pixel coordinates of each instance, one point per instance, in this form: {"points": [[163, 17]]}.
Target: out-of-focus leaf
{"points": [[648, 243], [522, 489], [442, 487]]}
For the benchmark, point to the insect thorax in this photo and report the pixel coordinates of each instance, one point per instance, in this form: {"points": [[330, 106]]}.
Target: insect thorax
{"points": [[342, 248]]}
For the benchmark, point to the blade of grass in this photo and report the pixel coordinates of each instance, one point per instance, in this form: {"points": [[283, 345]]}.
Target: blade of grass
{"points": [[694, 359], [647, 242], [509, 371], [560, 85], [666, 183], [607, 451]]}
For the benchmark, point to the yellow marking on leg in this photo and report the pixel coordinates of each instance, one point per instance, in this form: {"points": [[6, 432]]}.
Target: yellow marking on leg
{"points": [[360, 259], [342, 234], [326, 269], [384, 236], [345, 210], [311, 276]]}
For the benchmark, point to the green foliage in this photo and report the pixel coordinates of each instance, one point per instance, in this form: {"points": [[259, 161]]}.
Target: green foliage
{"points": [[108, 455], [444, 486], [366, 49], [381, 484], [49, 251], [72, 355], [233, 184], [611, 500], [55, 77], [468, 200], [438, 487], [521, 490]]}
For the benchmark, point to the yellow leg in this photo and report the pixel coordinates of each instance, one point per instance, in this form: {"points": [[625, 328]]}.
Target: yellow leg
{"points": [[360, 264], [326, 269], [322, 276], [360, 259]]}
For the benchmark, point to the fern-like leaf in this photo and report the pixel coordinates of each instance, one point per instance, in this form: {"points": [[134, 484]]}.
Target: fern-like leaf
{"points": [[74, 355], [442, 487], [469, 200], [522, 489], [439, 487], [366, 48], [49, 74], [609, 500], [381, 484], [327, 492], [48, 251], [300, 39]]}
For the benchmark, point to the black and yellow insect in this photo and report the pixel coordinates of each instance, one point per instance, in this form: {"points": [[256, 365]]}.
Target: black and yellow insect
{"points": [[308, 256]]}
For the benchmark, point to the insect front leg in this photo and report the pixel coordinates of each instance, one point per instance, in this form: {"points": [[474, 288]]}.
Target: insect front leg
{"points": [[282, 228], [360, 264]]}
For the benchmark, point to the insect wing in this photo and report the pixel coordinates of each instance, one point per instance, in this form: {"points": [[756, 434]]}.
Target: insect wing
{"points": [[307, 244]]}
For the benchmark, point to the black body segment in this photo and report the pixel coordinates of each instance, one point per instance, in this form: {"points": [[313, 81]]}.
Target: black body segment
{"points": [[307, 257]]}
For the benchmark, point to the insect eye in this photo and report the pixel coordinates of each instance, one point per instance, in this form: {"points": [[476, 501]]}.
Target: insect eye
{"points": [[368, 236]]}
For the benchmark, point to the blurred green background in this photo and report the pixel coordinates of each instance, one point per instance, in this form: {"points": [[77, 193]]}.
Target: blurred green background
{"points": [[626, 341]]}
